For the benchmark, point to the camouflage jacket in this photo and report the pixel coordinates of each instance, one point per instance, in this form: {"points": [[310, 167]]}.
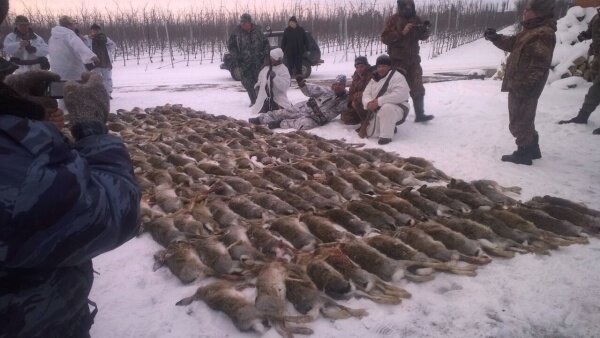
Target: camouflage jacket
{"points": [[359, 83], [330, 104], [528, 64], [404, 47], [249, 48], [61, 205]]}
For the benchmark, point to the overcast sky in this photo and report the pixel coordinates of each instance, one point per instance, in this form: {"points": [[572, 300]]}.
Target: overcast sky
{"points": [[73, 6]]}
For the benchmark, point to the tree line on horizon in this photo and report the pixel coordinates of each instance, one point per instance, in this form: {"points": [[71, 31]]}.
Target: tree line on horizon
{"points": [[155, 35]]}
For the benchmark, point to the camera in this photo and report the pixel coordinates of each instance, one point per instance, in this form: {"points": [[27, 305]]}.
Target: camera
{"points": [[55, 89], [423, 26]]}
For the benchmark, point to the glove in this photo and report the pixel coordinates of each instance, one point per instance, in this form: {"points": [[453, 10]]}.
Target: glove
{"points": [[582, 36], [30, 49], [88, 105], [490, 34], [32, 86], [301, 81], [271, 75], [44, 64]]}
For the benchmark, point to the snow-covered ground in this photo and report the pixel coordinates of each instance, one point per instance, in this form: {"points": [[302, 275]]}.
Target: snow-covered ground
{"points": [[527, 296]]}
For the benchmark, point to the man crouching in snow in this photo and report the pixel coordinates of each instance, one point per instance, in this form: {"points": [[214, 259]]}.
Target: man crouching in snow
{"points": [[273, 84], [324, 105], [386, 100]]}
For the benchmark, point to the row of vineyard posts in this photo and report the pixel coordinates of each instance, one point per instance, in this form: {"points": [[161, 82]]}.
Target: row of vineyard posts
{"points": [[151, 35]]}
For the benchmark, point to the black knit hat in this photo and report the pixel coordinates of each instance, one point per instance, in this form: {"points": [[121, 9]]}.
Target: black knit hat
{"points": [[383, 60], [361, 60], [293, 18]]}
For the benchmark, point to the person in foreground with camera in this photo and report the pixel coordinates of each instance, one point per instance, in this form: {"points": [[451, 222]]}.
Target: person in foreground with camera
{"points": [[402, 34], [61, 205], [25, 48], [273, 84], [592, 98], [386, 99], [527, 69], [324, 104]]}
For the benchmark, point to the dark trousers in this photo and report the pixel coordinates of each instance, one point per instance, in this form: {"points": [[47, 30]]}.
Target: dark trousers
{"points": [[592, 98], [294, 64], [414, 76], [521, 111]]}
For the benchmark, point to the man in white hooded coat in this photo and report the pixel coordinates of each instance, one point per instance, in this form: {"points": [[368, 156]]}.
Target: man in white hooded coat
{"points": [[68, 53], [273, 84], [389, 106]]}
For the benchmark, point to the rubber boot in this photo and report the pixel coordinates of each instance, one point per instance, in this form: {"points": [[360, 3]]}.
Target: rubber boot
{"points": [[596, 131], [274, 124], [252, 95], [536, 154], [419, 105], [521, 156], [254, 120], [581, 118]]}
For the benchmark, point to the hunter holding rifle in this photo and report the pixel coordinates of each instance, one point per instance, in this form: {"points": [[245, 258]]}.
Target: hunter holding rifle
{"points": [[273, 84], [25, 48], [386, 100]]}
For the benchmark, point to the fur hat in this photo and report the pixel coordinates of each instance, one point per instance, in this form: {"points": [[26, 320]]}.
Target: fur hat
{"points": [[541, 7], [361, 60], [21, 19], [383, 60], [293, 18], [276, 54], [96, 26], [246, 17], [341, 79]]}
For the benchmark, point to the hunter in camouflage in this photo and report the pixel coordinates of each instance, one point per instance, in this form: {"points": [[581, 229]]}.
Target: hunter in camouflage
{"points": [[527, 70], [402, 34], [324, 104], [249, 48], [356, 113], [592, 98], [61, 204]]}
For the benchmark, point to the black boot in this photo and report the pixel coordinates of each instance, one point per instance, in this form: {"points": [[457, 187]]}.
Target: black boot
{"points": [[596, 131], [536, 154], [254, 120], [521, 156], [419, 105], [581, 118], [384, 140], [252, 95]]}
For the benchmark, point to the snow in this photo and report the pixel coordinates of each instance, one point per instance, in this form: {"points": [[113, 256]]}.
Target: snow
{"points": [[527, 296]]}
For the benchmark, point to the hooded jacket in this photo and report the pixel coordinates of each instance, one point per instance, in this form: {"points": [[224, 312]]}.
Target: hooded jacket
{"points": [[61, 204], [281, 84], [68, 53], [404, 48], [397, 91], [528, 64]]}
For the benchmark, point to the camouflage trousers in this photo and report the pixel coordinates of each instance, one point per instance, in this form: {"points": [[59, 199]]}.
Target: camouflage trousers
{"points": [[354, 115], [414, 76], [298, 118], [521, 111], [250, 76]]}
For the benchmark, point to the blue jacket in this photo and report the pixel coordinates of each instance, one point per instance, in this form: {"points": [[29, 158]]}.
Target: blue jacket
{"points": [[61, 204]]}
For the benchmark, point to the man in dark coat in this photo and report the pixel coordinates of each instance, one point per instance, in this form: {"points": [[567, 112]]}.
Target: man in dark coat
{"points": [[527, 70], [356, 113], [249, 48], [294, 44], [402, 34], [592, 98], [61, 205]]}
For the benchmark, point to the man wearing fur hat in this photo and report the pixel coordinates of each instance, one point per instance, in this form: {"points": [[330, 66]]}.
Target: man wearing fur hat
{"points": [[294, 44], [324, 104], [68, 52], [356, 113], [402, 34], [25, 48], [386, 99], [249, 48], [592, 98], [273, 84], [527, 69]]}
